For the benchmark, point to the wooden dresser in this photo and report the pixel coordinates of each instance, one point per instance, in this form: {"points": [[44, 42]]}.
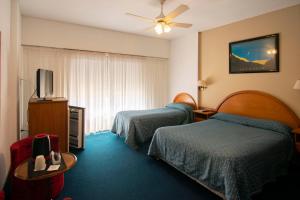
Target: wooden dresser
{"points": [[50, 116]]}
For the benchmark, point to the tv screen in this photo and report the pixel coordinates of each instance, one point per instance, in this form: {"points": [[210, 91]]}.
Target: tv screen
{"points": [[44, 83]]}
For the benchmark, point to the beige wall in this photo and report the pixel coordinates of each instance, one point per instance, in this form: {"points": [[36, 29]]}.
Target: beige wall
{"points": [[183, 70], [10, 25], [215, 65], [64, 35]]}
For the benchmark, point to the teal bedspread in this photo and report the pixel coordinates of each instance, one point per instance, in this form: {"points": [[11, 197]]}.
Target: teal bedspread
{"points": [[138, 126], [231, 154]]}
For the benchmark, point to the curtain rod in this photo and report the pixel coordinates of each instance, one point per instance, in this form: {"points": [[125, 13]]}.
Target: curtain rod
{"points": [[27, 45]]}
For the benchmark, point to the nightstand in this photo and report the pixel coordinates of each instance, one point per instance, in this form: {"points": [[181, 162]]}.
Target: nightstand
{"points": [[203, 114], [297, 138]]}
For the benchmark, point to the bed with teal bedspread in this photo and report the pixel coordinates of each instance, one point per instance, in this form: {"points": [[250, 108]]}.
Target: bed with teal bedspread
{"points": [[230, 154], [138, 126]]}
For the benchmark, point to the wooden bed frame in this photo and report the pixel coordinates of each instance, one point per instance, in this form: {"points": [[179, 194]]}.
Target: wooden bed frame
{"points": [[260, 105], [186, 99], [254, 104]]}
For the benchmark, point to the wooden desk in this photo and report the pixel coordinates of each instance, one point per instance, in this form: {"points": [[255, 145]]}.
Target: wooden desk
{"points": [[21, 171]]}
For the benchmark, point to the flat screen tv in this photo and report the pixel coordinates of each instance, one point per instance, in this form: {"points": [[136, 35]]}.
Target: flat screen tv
{"points": [[44, 83]]}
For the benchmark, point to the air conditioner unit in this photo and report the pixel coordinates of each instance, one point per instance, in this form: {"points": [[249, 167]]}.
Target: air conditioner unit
{"points": [[76, 131]]}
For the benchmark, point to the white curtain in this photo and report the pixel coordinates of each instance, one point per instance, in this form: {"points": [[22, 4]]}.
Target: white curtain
{"points": [[102, 83]]}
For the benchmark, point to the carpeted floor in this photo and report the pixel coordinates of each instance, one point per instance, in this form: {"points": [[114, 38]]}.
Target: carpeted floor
{"points": [[109, 170]]}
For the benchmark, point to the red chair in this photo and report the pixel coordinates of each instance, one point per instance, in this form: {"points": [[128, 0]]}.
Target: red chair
{"points": [[32, 190], [2, 196]]}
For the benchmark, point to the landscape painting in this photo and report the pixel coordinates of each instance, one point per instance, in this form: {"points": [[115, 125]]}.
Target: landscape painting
{"points": [[255, 55], [0, 62]]}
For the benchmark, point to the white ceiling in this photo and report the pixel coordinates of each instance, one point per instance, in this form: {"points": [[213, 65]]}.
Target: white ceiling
{"points": [[110, 14]]}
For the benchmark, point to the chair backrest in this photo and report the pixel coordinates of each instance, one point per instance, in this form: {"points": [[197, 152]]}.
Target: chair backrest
{"points": [[2, 195], [22, 150]]}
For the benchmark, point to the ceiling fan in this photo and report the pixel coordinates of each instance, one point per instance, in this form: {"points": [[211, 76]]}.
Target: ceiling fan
{"points": [[163, 23]]}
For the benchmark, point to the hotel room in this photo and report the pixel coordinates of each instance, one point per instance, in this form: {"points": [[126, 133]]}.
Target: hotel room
{"points": [[153, 99]]}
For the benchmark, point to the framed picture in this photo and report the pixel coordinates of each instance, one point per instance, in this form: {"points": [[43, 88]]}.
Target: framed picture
{"points": [[254, 55], [0, 62]]}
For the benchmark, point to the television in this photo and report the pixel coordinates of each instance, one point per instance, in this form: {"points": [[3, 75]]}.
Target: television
{"points": [[44, 83]]}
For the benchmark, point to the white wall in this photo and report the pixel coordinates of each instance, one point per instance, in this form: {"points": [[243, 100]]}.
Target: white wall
{"points": [[10, 20], [64, 35], [183, 67]]}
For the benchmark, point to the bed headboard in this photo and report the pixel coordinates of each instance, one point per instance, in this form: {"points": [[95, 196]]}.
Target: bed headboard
{"points": [[185, 98], [259, 105]]}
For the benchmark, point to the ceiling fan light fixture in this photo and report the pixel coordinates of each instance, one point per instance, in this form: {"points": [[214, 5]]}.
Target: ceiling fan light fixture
{"points": [[167, 28], [159, 28], [162, 27], [164, 23]]}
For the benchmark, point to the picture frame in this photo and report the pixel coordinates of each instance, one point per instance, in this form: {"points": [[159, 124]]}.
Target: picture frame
{"points": [[255, 55], [0, 63]]}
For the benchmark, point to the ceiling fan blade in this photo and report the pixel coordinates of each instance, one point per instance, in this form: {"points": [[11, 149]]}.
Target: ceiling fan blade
{"points": [[141, 17], [179, 10], [180, 25]]}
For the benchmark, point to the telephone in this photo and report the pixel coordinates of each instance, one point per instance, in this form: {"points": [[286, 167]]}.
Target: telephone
{"points": [[55, 158]]}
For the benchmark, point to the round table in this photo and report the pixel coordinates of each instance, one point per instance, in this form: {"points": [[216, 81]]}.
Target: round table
{"points": [[21, 171]]}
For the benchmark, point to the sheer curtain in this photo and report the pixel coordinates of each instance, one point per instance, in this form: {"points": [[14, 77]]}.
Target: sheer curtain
{"points": [[102, 83]]}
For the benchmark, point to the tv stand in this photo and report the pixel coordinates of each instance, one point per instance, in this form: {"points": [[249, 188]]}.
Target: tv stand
{"points": [[43, 99], [51, 117], [47, 99]]}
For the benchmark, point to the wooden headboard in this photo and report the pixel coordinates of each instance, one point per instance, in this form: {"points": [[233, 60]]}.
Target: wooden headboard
{"points": [[186, 99], [259, 105]]}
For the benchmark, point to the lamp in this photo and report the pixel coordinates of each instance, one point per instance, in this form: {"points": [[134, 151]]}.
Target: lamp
{"points": [[202, 84], [162, 27], [297, 85]]}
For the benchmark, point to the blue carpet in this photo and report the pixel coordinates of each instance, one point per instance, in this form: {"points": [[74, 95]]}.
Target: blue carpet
{"points": [[108, 169]]}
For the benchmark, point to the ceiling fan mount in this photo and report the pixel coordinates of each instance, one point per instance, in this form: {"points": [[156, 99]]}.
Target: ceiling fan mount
{"points": [[161, 15], [162, 22]]}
